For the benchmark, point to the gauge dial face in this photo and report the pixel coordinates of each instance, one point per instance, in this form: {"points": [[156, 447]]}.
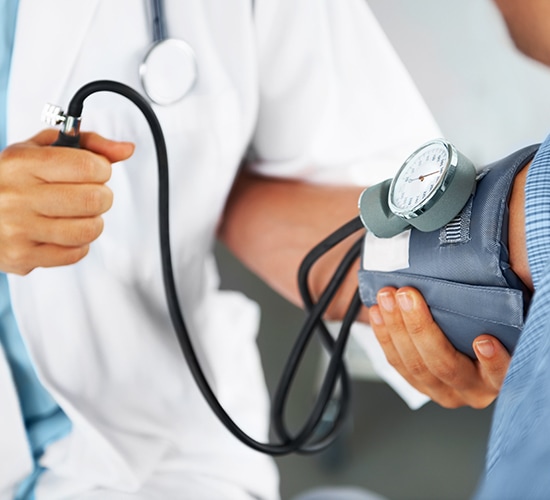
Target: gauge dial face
{"points": [[419, 178]]}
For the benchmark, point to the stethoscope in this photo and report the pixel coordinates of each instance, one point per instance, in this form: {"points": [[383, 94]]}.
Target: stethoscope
{"points": [[322, 424], [328, 413], [169, 69]]}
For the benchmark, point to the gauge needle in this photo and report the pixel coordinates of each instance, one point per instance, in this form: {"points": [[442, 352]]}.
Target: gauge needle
{"points": [[422, 177]]}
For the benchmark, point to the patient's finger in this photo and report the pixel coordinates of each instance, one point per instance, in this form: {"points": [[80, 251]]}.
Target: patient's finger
{"points": [[493, 358]]}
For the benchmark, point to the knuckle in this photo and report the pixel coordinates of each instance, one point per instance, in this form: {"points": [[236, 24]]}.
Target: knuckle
{"points": [[75, 255], [388, 347], [450, 402], [497, 371], [394, 361], [13, 152], [416, 328], [89, 230], [8, 155], [95, 200], [6, 202], [16, 260], [10, 166], [480, 404], [417, 369], [446, 371], [484, 401], [384, 339], [93, 167], [85, 166], [10, 233], [446, 397]]}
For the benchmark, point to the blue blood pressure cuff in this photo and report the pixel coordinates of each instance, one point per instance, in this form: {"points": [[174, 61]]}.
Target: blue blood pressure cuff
{"points": [[463, 269]]}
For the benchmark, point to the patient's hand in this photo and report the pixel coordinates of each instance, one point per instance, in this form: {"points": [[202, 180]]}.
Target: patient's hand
{"points": [[422, 354], [416, 347]]}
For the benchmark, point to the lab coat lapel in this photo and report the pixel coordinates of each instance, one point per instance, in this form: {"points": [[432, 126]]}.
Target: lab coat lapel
{"points": [[15, 457], [39, 69]]}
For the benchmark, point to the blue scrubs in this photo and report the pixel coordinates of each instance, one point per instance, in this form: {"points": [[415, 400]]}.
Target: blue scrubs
{"points": [[44, 420]]}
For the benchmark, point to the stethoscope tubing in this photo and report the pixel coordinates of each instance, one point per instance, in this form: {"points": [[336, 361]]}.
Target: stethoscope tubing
{"points": [[159, 21], [307, 439]]}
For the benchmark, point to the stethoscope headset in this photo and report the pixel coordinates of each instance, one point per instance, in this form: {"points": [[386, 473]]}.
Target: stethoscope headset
{"points": [[318, 431]]}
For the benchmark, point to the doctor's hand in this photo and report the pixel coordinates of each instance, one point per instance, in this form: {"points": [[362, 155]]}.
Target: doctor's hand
{"points": [[417, 348], [52, 199]]}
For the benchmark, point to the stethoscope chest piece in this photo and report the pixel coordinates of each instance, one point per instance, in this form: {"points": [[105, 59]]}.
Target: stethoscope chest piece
{"points": [[168, 71]]}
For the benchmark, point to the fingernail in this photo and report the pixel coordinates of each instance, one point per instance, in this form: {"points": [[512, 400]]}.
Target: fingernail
{"points": [[375, 316], [405, 301], [387, 301], [485, 348]]}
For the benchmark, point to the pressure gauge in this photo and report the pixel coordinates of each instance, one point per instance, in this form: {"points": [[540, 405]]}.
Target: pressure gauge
{"points": [[428, 191]]}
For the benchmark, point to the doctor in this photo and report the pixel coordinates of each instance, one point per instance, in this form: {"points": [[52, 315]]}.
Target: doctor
{"points": [[96, 401]]}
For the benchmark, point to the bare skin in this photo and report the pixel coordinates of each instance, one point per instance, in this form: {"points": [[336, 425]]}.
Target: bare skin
{"points": [[271, 224], [527, 23], [52, 199]]}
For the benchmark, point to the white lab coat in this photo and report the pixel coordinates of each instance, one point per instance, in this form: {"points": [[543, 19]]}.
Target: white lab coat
{"points": [[316, 87]]}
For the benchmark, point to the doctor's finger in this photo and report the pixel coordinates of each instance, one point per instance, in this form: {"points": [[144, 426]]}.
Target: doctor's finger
{"points": [[74, 232], [113, 151], [70, 200], [26, 163], [22, 260], [72, 165]]}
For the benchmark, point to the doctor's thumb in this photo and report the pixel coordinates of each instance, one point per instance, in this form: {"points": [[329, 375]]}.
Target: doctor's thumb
{"points": [[114, 151], [493, 358]]}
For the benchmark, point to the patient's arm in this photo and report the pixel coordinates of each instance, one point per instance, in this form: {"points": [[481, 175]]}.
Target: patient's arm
{"points": [[421, 353]]}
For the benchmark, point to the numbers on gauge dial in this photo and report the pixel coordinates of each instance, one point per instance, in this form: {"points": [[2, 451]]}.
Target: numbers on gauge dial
{"points": [[419, 178]]}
